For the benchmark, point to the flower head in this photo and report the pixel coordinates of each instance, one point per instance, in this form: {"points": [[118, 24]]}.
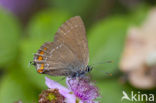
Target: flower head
{"points": [[138, 59], [83, 89], [67, 93], [51, 96], [79, 90]]}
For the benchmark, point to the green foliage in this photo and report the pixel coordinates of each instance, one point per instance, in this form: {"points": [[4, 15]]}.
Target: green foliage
{"points": [[9, 37], [138, 15], [15, 86], [75, 7], [111, 91], [105, 43], [43, 25]]}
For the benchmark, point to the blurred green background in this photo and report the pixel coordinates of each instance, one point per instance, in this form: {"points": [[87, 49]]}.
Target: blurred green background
{"points": [[26, 24]]}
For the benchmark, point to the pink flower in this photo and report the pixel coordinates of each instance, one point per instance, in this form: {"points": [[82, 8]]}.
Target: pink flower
{"points": [[83, 89], [69, 96], [79, 90]]}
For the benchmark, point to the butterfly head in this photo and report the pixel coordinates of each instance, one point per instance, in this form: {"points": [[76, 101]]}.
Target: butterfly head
{"points": [[89, 68], [81, 72]]}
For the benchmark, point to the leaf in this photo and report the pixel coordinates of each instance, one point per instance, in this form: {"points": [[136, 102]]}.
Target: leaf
{"points": [[9, 37], [106, 40], [43, 26], [75, 7], [111, 91], [138, 15], [16, 87]]}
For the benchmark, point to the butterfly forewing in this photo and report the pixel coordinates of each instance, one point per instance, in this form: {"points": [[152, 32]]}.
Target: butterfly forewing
{"points": [[67, 54], [72, 33]]}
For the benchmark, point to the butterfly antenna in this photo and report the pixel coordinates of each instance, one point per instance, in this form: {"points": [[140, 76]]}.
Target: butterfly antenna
{"points": [[108, 74], [100, 63], [110, 61]]}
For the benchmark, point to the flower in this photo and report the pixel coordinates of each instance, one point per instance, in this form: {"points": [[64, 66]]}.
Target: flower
{"points": [[51, 96], [83, 89], [138, 59], [79, 90], [67, 93]]}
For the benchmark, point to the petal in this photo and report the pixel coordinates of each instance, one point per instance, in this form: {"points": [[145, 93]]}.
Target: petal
{"points": [[53, 85], [83, 89], [81, 102], [95, 102], [70, 98], [90, 101]]}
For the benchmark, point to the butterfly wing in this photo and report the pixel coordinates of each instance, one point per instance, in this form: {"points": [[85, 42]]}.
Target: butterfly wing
{"points": [[72, 33], [67, 54]]}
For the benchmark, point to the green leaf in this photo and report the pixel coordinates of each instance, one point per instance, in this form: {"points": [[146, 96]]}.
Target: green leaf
{"points": [[44, 25], [111, 91], [75, 7], [16, 87], [106, 40], [138, 15], [9, 37]]}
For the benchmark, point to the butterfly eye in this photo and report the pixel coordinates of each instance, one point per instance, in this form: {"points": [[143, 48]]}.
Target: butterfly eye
{"points": [[88, 69]]}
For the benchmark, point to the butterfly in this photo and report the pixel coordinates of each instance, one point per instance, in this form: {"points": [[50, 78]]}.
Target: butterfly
{"points": [[68, 54]]}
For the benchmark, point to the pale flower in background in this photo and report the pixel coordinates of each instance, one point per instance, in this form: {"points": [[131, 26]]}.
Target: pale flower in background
{"points": [[139, 55]]}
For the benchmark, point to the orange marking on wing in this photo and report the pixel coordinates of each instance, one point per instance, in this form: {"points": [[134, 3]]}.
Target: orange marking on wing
{"points": [[45, 48], [42, 66], [40, 58], [40, 70], [41, 52]]}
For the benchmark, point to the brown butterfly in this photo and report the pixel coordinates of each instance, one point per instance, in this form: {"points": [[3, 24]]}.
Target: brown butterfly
{"points": [[68, 54]]}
